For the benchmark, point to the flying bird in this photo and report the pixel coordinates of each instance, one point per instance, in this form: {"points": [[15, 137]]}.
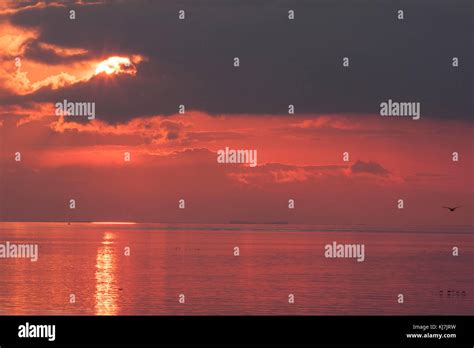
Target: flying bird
{"points": [[451, 209]]}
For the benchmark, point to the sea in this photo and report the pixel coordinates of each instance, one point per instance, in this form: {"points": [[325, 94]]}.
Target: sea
{"points": [[236, 269]]}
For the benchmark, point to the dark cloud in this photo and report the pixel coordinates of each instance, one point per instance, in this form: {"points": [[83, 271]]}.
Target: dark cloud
{"points": [[282, 62], [361, 167], [34, 51], [172, 129]]}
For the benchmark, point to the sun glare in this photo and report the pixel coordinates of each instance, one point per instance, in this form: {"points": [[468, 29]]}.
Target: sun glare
{"points": [[116, 65]]}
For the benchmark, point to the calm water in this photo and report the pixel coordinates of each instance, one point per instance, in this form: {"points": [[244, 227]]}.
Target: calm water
{"points": [[166, 260]]}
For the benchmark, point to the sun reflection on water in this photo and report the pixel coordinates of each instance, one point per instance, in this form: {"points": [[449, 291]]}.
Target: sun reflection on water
{"points": [[105, 288]]}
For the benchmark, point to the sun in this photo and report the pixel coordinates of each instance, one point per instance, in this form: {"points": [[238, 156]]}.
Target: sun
{"points": [[116, 65]]}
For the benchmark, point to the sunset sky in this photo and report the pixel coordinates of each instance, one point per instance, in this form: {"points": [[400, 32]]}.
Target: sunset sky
{"points": [[165, 62]]}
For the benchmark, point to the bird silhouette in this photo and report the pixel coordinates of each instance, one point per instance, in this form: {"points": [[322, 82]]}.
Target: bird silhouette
{"points": [[451, 209]]}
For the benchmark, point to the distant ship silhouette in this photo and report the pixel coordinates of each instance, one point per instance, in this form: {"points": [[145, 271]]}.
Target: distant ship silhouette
{"points": [[451, 209]]}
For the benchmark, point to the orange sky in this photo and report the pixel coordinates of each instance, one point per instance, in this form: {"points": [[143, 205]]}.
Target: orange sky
{"points": [[298, 158], [174, 156]]}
